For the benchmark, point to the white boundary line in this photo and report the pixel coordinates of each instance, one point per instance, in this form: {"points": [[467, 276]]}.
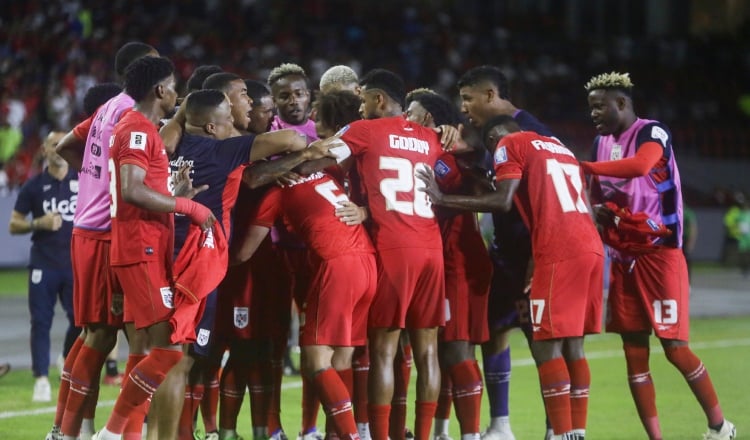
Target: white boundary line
{"points": [[524, 362]]}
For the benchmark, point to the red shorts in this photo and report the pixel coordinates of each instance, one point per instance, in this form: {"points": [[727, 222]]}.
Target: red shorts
{"points": [[147, 292], [95, 301], [336, 310], [466, 294], [298, 262], [566, 298], [655, 294], [411, 289], [255, 300]]}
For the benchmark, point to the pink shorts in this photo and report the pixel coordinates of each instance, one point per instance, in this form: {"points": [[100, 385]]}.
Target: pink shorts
{"points": [[95, 300], [654, 294], [566, 298], [147, 292], [336, 310], [411, 289]]}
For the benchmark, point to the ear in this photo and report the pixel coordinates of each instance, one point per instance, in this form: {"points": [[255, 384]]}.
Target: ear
{"points": [[622, 102], [210, 128], [159, 90], [490, 93]]}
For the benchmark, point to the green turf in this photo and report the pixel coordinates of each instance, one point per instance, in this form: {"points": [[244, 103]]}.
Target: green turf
{"points": [[13, 282], [723, 344]]}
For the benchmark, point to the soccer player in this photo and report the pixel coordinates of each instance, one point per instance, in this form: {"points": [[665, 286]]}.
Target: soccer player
{"points": [[484, 93], [542, 177], [263, 109], [635, 168], [142, 230], [98, 305], [468, 272], [339, 78], [50, 197], [199, 75], [387, 150]]}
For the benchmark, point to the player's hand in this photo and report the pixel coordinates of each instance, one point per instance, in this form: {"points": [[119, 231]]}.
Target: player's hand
{"points": [[449, 135], [183, 184], [427, 176], [289, 178], [603, 215], [197, 213], [322, 148], [351, 214], [51, 221]]}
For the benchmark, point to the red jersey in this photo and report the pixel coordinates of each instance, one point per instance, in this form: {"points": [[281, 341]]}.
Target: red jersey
{"points": [[308, 208], [551, 196], [388, 151], [139, 235]]}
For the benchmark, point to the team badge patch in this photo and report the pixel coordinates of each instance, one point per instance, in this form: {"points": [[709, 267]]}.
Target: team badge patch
{"points": [[441, 168], [167, 297], [74, 186], [501, 155], [36, 276], [616, 153], [203, 337], [241, 317], [138, 140]]}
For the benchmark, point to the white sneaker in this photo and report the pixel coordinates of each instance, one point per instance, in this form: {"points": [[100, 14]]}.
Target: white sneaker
{"points": [[494, 434], [442, 436], [313, 435], [54, 434], [727, 432], [549, 434], [213, 435], [42, 390]]}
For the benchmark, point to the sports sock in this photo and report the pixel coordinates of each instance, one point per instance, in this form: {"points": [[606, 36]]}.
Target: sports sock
{"points": [[274, 393], [697, 377], [134, 425], [467, 395], [232, 392], [379, 415], [497, 382], [361, 368], [62, 394], [642, 388], [445, 400], [425, 412], [186, 424], [580, 381], [555, 382], [210, 403], [141, 384], [401, 376], [258, 391], [335, 398], [310, 405], [84, 381]]}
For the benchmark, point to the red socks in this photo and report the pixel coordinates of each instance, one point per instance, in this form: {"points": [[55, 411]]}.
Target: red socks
{"points": [[193, 397], [555, 382], [62, 394], [134, 425], [379, 415], [467, 395], [310, 405], [234, 380], [700, 383], [210, 403], [642, 387], [580, 381], [84, 383], [445, 400], [335, 398], [361, 368], [401, 375], [423, 421]]}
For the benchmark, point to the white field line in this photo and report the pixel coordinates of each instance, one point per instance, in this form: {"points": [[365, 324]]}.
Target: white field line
{"points": [[606, 354]]}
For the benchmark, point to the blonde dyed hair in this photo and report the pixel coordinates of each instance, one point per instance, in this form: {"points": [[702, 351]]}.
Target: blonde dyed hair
{"points": [[611, 80], [283, 70], [337, 75]]}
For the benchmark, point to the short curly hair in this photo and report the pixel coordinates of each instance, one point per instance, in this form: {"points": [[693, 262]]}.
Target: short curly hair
{"points": [[97, 95], [611, 81], [144, 73], [337, 108]]}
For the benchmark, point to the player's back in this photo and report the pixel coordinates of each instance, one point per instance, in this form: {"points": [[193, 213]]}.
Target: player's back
{"points": [[92, 211], [551, 196], [308, 207], [388, 152]]}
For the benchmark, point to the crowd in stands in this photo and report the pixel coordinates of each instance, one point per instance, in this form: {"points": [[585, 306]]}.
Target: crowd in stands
{"points": [[52, 52]]}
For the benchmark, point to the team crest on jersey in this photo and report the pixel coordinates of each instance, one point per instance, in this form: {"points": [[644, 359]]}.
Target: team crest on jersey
{"points": [[241, 317], [138, 140], [441, 168], [203, 336], [36, 276], [616, 153], [501, 155], [167, 297], [74, 186]]}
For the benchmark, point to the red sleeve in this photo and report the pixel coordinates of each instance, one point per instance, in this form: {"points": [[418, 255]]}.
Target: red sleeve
{"points": [[447, 174], [645, 159], [508, 161], [81, 131], [268, 208], [357, 136]]}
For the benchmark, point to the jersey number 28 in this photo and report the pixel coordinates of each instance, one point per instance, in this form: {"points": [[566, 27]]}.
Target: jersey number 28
{"points": [[405, 181]]}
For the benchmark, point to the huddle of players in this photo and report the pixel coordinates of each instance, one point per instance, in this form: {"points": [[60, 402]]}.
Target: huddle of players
{"points": [[354, 239]]}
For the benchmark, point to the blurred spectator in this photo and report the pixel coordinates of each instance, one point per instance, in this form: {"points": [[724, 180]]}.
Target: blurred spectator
{"points": [[10, 138], [731, 228]]}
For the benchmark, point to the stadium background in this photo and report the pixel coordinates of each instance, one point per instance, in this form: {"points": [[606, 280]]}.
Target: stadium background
{"points": [[689, 59]]}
